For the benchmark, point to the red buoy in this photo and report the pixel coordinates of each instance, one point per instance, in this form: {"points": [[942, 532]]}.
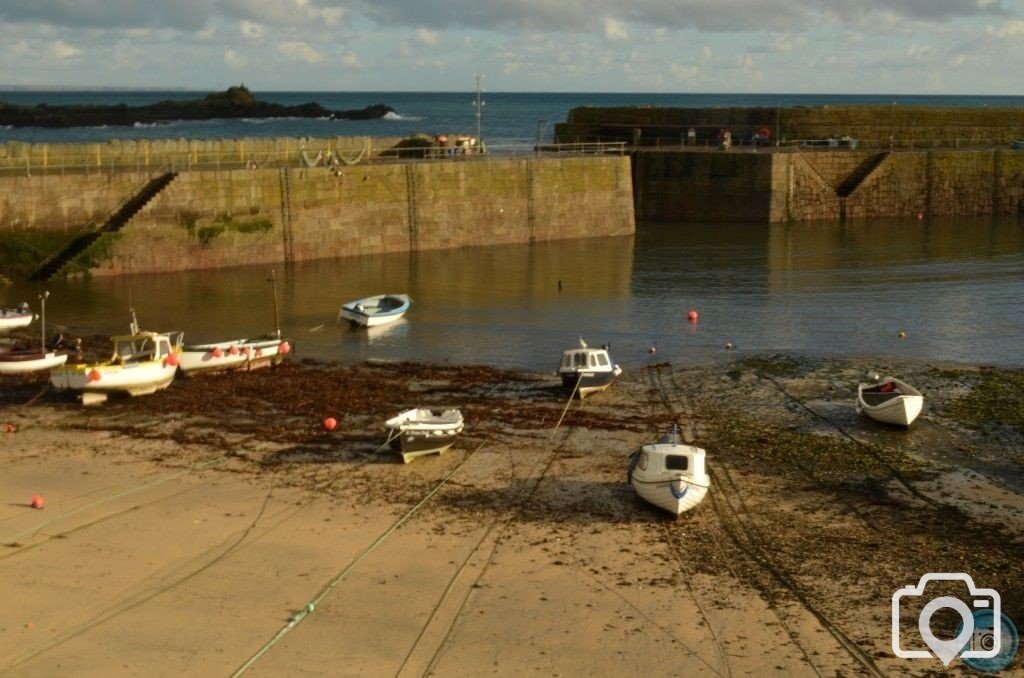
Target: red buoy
{"points": [[171, 360], [216, 352], [94, 375], [330, 423], [233, 350], [285, 348], [692, 315], [37, 501]]}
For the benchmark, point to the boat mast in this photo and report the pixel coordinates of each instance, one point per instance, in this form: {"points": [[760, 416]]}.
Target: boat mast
{"points": [[479, 104], [277, 321]]}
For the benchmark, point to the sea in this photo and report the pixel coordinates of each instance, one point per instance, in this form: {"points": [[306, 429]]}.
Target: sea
{"points": [[938, 290], [507, 120]]}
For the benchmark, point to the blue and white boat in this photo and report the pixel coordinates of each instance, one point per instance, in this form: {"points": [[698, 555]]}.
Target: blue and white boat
{"points": [[1017, 144], [669, 474], [586, 370], [376, 310]]}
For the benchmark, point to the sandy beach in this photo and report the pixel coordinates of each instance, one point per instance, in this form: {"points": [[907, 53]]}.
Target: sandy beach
{"points": [[217, 527]]}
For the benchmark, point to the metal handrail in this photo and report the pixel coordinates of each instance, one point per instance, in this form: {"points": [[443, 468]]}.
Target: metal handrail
{"points": [[97, 223]]}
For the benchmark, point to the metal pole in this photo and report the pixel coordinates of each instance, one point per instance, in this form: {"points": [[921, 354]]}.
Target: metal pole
{"points": [[277, 321], [42, 319], [479, 106]]}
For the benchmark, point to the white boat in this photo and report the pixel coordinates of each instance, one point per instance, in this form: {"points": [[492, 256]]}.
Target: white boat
{"points": [[587, 370], [669, 474], [16, 318], [142, 363], [890, 401], [417, 432], [239, 354], [376, 310], [25, 360], [30, 360]]}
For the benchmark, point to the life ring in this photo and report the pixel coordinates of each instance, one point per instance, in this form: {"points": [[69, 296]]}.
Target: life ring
{"points": [[764, 132]]}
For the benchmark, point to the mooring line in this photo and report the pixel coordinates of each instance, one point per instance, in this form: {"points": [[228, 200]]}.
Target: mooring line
{"points": [[310, 607], [572, 395]]}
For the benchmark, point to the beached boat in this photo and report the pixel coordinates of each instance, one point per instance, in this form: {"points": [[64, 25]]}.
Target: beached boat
{"points": [[669, 474], [586, 370], [16, 318], [1017, 144], [21, 361], [24, 360], [142, 363], [239, 354], [377, 310], [890, 401], [417, 432]]}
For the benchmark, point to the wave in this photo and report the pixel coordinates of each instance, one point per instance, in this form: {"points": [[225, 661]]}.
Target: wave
{"points": [[6, 126], [395, 116], [158, 123]]}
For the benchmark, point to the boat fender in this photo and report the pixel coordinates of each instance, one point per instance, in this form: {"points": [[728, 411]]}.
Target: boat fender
{"points": [[216, 352], [94, 375], [285, 348], [887, 387], [765, 132]]}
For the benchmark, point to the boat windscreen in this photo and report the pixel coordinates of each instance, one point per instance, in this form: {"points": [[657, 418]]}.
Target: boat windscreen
{"points": [[676, 462]]}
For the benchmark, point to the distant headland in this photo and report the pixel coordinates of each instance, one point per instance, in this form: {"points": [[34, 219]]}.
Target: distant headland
{"points": [[234, 102]]}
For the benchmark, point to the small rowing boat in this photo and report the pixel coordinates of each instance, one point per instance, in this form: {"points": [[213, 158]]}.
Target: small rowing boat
{"points": [[890, 401], [377, 310], [417, 432], [239, 354]]}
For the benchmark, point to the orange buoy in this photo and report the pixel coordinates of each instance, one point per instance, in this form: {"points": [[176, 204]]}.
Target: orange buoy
{"points": [[692, 315], [216, 352], [285, 348], [170, 360], [233, 350], [330, 423], [94, 375], [259, 353], [37, 501], [10, 428]]}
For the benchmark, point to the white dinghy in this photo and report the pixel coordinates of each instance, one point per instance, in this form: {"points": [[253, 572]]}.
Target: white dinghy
{"points": [[669, 474], [16, 318], [890, 401], [417, 432], [239, 354], [377, 310], [22, 361]]}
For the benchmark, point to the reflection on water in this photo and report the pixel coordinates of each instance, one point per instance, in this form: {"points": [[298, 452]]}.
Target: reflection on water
{"points": [[954, 286]]}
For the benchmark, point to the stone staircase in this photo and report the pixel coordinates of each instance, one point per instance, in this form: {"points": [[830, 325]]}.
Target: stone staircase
{"points": [[113, 223], [860, 174]]}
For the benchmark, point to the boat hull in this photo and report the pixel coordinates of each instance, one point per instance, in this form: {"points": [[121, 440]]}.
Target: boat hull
{"points": [[897, 408], [412, 444], [23, 362], [675, 496], [14, 321], [590, 382], [240, 354], [366, 312], [137, 379]]}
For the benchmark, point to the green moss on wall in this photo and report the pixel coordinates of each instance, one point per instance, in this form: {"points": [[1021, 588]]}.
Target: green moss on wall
{"points": [[21, 252]]}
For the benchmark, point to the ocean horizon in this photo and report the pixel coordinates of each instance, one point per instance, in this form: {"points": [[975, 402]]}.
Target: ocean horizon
{"points": [[510, 119]]}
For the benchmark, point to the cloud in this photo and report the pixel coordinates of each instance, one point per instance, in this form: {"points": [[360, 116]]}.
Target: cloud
{"points": [[427, 36], [298, 50], [234, 60], [251, 30], [614, 30], [180, 14], [351, 60], [1008, 29], [63, 51]]}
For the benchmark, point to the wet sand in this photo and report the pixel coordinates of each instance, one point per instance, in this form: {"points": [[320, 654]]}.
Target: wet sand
{"points": [[183, 531]]}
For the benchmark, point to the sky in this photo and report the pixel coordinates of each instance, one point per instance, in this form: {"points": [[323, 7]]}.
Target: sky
{"points": [[800, 46]]}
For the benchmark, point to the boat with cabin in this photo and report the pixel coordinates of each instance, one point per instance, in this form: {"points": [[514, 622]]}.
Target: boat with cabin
{"points": [[587, 370], [43, 357], [669, 474]]}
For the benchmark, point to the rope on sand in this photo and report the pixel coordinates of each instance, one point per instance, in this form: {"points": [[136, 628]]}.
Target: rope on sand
{"points": [[310, 607], [569, 402]]}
